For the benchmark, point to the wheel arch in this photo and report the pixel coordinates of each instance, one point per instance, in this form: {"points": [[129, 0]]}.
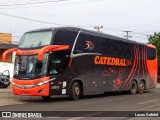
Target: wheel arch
{"points": [[81, 83], [134, 80]]}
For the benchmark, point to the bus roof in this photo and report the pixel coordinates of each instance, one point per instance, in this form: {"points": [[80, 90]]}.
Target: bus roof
{"points": [[100, 34]]}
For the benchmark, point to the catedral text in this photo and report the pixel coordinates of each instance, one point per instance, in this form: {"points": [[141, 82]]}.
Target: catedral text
{"points": [[110, 61]]}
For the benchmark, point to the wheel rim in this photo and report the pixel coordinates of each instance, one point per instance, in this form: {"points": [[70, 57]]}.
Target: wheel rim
{"points": [[141, 86], [76, 91], [134, 88]]}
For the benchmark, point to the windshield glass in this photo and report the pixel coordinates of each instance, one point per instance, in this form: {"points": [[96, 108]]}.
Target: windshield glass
{"points": [[35, 39], [30, 67]]}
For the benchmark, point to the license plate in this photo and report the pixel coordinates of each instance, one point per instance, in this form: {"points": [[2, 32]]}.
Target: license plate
{"points": [[25, 93]]}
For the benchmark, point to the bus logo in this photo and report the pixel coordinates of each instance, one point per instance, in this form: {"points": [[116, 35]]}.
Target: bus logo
{"points": [[89, 45]]}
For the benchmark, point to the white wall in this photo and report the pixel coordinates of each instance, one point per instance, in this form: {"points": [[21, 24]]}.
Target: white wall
{"points": [[13, 56], [7, 66]]}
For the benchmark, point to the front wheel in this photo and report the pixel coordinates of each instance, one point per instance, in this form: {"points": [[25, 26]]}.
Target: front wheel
{"points": [[5, 86], [133, 88], [141, 87], [75, 91]]}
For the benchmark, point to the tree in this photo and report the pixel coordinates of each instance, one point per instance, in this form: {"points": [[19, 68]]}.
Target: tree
{"points": [[155, 40]]}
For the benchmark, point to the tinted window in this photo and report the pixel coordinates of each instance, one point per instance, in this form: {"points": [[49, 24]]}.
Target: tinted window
{"points": [[80, 44], [94, 44], [88, 44], [110, 47], [151, 53], [65, 38], [116, 48], [58, 62]]}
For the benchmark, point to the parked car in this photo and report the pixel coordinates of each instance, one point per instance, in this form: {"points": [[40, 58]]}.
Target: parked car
{"points": [[4, 79]]}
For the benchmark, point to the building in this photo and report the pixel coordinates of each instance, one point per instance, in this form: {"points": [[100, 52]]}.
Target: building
{"points": [[5, 44]]}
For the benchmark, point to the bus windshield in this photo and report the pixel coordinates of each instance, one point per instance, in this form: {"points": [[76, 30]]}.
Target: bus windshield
{"points": [[35, 39], [29, 67]]}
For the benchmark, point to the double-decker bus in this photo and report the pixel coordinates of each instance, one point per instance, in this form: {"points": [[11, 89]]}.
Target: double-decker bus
{"points": [[77, 62]]}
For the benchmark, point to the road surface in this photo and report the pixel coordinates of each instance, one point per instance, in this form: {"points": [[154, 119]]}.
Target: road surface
{"points": [[148, 101]]}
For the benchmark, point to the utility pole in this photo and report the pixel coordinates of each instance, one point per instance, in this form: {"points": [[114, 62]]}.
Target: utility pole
{"points": [[98, 28], [127, 34]]}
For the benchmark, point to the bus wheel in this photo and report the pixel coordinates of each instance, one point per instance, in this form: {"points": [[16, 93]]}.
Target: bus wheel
{"points": [[46, 98], [133, 88], [141, 87], [75, 91]]}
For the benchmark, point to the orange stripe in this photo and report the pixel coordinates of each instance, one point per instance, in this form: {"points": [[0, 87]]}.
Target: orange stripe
{"points": [[139, 62], [49, 49], [143, 61], [4, 55], [132, 68]]}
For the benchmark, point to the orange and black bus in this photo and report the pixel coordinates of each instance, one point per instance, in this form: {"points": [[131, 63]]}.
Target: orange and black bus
{"points": [[77, 62]]}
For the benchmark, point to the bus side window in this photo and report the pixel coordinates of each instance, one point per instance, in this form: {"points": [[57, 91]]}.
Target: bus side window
{"points": [[64, 37], [54, 67], [88, 43], [80, 45], [151, 53]]}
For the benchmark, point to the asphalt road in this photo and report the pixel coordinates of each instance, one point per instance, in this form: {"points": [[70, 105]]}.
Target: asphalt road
{"points": [[148, 101]]}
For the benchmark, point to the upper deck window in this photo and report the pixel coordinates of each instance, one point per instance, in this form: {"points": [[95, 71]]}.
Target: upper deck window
{"points": [[35, 39], [64, 37]]}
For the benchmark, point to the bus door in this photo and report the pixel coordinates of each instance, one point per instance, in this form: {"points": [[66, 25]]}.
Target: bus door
{"points": [[57, 66]]}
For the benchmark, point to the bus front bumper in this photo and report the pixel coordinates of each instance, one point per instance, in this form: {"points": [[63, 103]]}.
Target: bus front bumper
{"points": [[31, 90]]}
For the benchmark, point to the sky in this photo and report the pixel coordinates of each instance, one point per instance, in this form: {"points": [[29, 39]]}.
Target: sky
{"points": [[142, 17]]}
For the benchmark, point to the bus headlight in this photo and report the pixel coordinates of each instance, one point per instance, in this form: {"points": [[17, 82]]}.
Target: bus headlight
{"points": [[13, 83], [42, 83]]}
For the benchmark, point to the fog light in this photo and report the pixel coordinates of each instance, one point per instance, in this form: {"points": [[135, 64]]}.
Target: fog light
{"points": [[40, 90]]}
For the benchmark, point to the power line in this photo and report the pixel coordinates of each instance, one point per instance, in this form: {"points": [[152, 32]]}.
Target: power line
{"points": [[117, 30], [15, 1], [40, 21], [71, 3], [31, 3], [53, 23], [33, 20]]}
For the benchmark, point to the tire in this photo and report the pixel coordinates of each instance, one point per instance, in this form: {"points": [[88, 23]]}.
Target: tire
{"points": [[4, 86], [75, 91], [46, 98], [133, 89], [141, 87]]}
